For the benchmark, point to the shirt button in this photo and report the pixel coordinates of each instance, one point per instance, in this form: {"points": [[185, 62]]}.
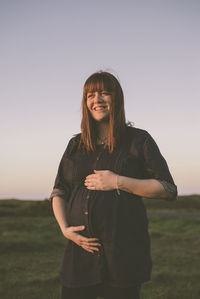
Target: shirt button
{"points": [[86, 212]]}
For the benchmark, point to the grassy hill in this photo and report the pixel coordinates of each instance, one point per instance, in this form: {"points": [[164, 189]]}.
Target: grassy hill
{"points": [[32, 246], [35, 208], [187, 204]]}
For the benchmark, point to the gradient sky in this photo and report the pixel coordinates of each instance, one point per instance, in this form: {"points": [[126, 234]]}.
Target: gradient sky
{"points": [[49, 48]]}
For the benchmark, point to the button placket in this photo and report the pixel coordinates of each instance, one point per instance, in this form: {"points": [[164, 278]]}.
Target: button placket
{"points": [[86, 202], [99, 155], [85, 211]]}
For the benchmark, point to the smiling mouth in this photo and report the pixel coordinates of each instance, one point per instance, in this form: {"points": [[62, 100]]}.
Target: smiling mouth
{"points": [[100, 108]]}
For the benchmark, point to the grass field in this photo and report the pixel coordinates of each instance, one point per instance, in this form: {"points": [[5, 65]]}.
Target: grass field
{"points": [[31, 248]]}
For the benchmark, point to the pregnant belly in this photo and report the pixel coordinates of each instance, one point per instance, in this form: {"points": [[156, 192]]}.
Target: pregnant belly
{"points": [[77, 206], [114, 215], [93, 208], [106, 213]]}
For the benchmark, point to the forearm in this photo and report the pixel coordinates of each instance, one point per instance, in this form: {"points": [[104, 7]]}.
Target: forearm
{"points": [[149, 188], [59, 209]]}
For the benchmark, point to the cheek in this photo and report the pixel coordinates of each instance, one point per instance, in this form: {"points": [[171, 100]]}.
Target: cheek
{"points": [[88, 105], [109, 101], [89, 108]]}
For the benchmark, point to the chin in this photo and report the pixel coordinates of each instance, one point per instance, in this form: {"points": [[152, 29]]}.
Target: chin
{"points": [[102, 120]]}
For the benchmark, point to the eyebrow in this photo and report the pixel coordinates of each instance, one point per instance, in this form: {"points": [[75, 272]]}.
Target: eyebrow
{"points": [[102, 90]]}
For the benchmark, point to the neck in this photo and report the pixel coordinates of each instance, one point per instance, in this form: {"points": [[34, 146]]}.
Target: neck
{"points": [[102, 129]]}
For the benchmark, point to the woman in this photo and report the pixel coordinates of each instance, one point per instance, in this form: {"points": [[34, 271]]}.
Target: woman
{"points": [[97, 202]]}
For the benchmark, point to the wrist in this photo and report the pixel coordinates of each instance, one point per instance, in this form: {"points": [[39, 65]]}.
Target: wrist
{"points": [[64, 227], [117, 184]]}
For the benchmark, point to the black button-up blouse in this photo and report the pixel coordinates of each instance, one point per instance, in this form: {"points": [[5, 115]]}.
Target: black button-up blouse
{"points": [[118, 220]]}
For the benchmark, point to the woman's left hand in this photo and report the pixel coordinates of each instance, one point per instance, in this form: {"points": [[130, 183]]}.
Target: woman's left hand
{"points": [[104, 180]]}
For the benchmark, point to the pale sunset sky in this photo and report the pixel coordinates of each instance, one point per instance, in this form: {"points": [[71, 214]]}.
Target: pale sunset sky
{"points": [[49, 48]]}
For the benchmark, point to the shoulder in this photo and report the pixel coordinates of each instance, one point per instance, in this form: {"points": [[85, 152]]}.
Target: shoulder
{"points": [[72, 144], [135, 140], [144, 142], [137, 135], [76, 138]]}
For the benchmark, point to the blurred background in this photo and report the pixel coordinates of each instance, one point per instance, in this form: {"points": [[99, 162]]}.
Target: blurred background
{"points": [[49, 48]]}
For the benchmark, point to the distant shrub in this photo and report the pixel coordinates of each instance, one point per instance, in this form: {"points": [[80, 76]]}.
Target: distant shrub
{"points": [[189, 203], [34, 208]]}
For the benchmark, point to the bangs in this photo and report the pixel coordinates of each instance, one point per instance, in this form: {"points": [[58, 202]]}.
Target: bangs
{"points": [[99, 82]]}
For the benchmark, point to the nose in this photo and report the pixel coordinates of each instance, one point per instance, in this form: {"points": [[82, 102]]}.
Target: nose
{"points": [[98, 97]]}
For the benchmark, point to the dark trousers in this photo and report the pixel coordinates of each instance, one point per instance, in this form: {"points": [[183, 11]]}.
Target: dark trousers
{"points": [[101, 290]]}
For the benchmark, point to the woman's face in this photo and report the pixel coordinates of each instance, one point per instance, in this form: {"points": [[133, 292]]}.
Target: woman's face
{"points": [[98, 103]]}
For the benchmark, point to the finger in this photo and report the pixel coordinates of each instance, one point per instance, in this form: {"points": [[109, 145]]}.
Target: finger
{"points": [[97, 245], [88, 182], [90, 185], [87, 240], [91, 188], [77, 228], [93, 240], [90, 176], [91, 248], [87, 249]]}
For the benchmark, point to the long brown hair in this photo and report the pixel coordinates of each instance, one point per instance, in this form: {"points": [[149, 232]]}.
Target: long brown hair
{"points": [[97, 82]]}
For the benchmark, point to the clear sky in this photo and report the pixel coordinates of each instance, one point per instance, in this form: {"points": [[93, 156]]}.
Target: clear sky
{"points": [[49, 48]]}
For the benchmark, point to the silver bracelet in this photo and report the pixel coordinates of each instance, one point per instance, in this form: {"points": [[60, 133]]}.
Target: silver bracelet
{"points": [[117, 187]]}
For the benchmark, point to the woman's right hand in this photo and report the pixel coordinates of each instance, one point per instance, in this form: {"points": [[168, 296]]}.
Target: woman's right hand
{"points": [[89, 244]]}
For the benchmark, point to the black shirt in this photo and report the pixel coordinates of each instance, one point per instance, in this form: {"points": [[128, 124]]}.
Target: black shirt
{"points": [[118, 220]]}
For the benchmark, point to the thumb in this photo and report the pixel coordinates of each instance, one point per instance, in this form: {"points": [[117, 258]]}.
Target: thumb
{"points": [[78, 228], [96, 171]]}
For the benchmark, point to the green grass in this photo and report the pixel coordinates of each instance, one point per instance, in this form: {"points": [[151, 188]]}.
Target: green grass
{"points": [[187, 204], [31, 249]]}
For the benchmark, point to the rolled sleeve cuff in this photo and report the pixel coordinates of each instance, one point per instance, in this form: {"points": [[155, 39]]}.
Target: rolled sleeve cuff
{"points": [[170, 188], [57, 192]]}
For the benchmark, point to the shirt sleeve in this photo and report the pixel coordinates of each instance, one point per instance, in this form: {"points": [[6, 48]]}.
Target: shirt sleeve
{"points": [[61, 188], [156, 167]]}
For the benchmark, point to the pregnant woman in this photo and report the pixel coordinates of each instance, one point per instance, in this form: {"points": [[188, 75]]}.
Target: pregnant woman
{"points": [[103, 174]]}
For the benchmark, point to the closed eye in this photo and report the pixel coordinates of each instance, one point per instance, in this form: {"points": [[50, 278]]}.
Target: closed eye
{"points": [[90, 95], [105, 93]]}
